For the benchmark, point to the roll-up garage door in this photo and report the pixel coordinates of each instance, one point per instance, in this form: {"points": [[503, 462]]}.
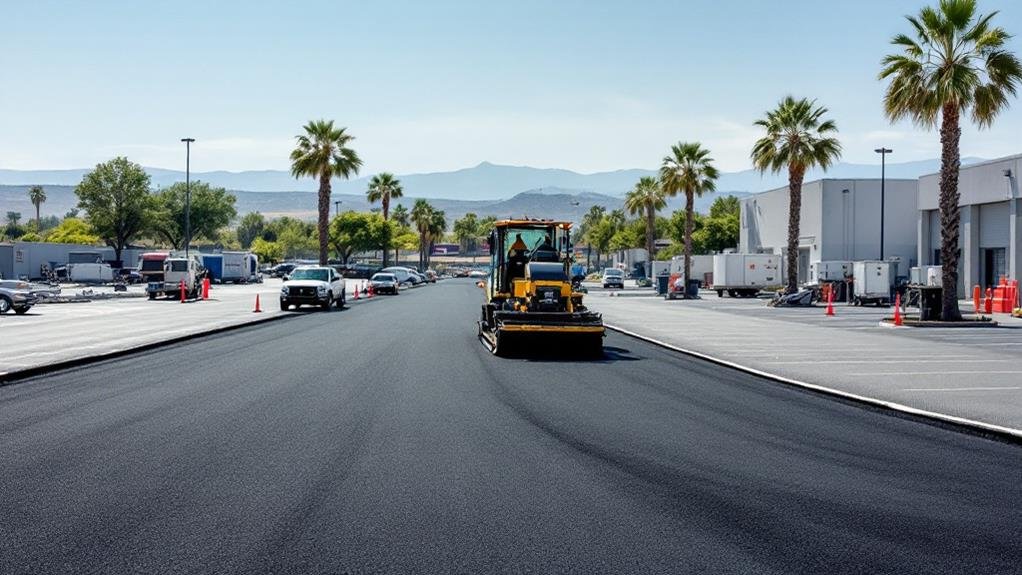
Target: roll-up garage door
{"points": [[993, 225]]}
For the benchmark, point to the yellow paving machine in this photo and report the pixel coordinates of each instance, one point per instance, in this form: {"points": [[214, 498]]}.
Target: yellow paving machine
{"points": [[530, 303]]}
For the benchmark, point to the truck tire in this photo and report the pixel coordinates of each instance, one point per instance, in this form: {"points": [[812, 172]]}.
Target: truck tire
{"points": [[329, 305], [152, 295], [5, 304], [284, 306], [21, 310], [344, 299], [720, 293]]}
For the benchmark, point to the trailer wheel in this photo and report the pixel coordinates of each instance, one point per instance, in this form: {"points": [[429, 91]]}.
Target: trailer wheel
{"points": [[152, 295], [720, 293]]}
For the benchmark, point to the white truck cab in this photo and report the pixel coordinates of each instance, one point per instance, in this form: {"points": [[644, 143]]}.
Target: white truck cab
{"points": [[175, 270]]}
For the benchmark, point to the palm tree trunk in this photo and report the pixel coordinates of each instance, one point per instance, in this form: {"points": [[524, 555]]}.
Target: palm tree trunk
{"points": [[795, 175], [324, 219], [689, 224], [650, 240], [386, 212], [950, 215], [38, 222]]}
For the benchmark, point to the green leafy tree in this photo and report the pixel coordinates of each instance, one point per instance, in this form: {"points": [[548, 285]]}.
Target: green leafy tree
{"points": [[798, 138], [116, 199], [689, 170], [13, 230], [267, 251], [212, 208], [422, 218], [322, 152], [646, 199], [352, 232], [957, 64], [437, 227], [37, 195], [721, 226], [678, 227], [249, 228], [400, 215], [73, 231]]}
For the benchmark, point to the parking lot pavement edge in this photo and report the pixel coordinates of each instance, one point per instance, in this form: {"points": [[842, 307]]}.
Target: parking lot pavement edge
{"points": [[989, 430]]}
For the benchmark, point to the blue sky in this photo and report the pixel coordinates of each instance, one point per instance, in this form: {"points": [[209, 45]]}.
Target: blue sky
{"points": [[440, 85]]}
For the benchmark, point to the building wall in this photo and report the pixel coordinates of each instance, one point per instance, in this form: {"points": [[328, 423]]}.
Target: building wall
{"points": [[990, 220], [836, 224], [26, 258]]}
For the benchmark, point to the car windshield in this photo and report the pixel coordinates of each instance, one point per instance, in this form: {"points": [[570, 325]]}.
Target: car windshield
{"points": [[178, 266], [311, 274], [152, 265], [383, 278], [615, 273]]}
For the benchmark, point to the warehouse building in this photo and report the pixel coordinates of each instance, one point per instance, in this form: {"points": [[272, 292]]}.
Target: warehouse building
{"points": [[989, 235], [840, 220]]}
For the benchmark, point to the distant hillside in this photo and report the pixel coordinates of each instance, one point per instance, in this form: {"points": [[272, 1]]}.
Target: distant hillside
{"points": [[540, 203], [485, 181]]}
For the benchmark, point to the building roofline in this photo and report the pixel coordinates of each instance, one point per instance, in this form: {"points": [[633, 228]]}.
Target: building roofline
{"points": [[824, 180], [978, 164]]}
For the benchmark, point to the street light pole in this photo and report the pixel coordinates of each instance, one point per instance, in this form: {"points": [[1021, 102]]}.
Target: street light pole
{"points": [[188, 193], [883, 179], [337, 207]]}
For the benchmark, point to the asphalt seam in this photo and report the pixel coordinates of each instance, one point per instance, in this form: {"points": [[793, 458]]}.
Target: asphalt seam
{"points": [[960, 423], [17, 376]]}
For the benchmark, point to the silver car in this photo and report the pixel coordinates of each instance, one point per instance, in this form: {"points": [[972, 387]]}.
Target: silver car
{"points": [[17, 296]]}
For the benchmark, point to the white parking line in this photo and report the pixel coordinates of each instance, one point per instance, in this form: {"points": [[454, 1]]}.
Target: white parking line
{"points": [[918, 373], [936, 359], [960, 388]]}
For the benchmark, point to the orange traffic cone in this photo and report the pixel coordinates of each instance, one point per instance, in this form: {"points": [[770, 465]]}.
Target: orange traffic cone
{"points": [[257, 308], [897, 310], [369, 290], [356, 291], [182, 288], [830, 302], [205, 288]]}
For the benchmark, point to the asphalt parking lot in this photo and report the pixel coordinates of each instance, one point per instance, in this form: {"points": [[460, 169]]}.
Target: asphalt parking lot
{"points": [[971, 373], [57, 332]]}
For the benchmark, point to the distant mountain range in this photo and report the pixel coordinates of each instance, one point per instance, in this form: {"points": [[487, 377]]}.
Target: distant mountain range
{"points": [[486, 189]]}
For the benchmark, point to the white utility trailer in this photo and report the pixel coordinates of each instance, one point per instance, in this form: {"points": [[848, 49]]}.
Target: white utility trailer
{"points": [[874, 282], [744, 275]]}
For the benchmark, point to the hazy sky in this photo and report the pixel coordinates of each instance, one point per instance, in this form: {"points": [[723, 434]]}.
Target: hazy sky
{"points": [[439, 85]]}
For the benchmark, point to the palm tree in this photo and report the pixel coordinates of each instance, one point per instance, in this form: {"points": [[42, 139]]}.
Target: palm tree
{"points": [[956, 64], [688, 169], [399, 216], [589, 223], [322, 152], [797, 139], [647, 198], [437, 227], [383, 187], [37, 195], [422, 217]]}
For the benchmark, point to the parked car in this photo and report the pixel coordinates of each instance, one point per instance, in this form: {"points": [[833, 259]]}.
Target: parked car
{"points": [[313, 285], [477, 274], [281, 270], [417, 277], [383, 282], [17, 296], [613, 277], [403, 275], [431, 276]]}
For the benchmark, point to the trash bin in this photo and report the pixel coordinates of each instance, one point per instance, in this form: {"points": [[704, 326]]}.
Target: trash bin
{"points": [[930, 302], [692, 288], [662, 284]]}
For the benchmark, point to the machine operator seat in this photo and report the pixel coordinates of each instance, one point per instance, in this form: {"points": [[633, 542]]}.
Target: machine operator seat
{"points": [[545, 252], [516, 262]]}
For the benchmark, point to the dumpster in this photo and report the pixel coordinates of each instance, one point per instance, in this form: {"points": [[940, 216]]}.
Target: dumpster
{"points": [[930, 302], [692, 288], [663, 282]]}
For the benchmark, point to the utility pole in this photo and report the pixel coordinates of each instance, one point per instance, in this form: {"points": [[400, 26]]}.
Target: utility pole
{"points": [[883, 178], [188, 193]]}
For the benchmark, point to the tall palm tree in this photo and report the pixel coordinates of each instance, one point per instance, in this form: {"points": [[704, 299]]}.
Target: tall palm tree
{"points": [[400, 217], [322, 152], [688, 169], [382, 188], [956, 64], [647, 198], [437, 227], [797, 139], [422, 217], [37, 195]]}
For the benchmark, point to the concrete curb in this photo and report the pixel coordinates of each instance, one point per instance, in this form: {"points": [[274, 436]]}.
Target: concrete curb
{"points": [[1008, 434], [13, 377]]}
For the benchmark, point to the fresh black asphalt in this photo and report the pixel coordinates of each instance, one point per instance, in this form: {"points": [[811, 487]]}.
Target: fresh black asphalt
{"points": [[385, 439]]}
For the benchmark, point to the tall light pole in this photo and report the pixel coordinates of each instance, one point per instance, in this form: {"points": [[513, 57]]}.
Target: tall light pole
{"points": [[188, 192], [337, 207], [883, 179]]}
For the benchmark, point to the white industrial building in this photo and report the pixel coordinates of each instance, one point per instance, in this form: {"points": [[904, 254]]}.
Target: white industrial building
{"points": [[989, 235], [840, 221]]}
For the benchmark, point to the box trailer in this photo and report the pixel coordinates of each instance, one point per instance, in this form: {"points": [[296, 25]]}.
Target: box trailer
{"points": [[240, 267], [744, 275], [214, 264], [829, 271], [90, 273], [702, 268], [874, 282]]}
